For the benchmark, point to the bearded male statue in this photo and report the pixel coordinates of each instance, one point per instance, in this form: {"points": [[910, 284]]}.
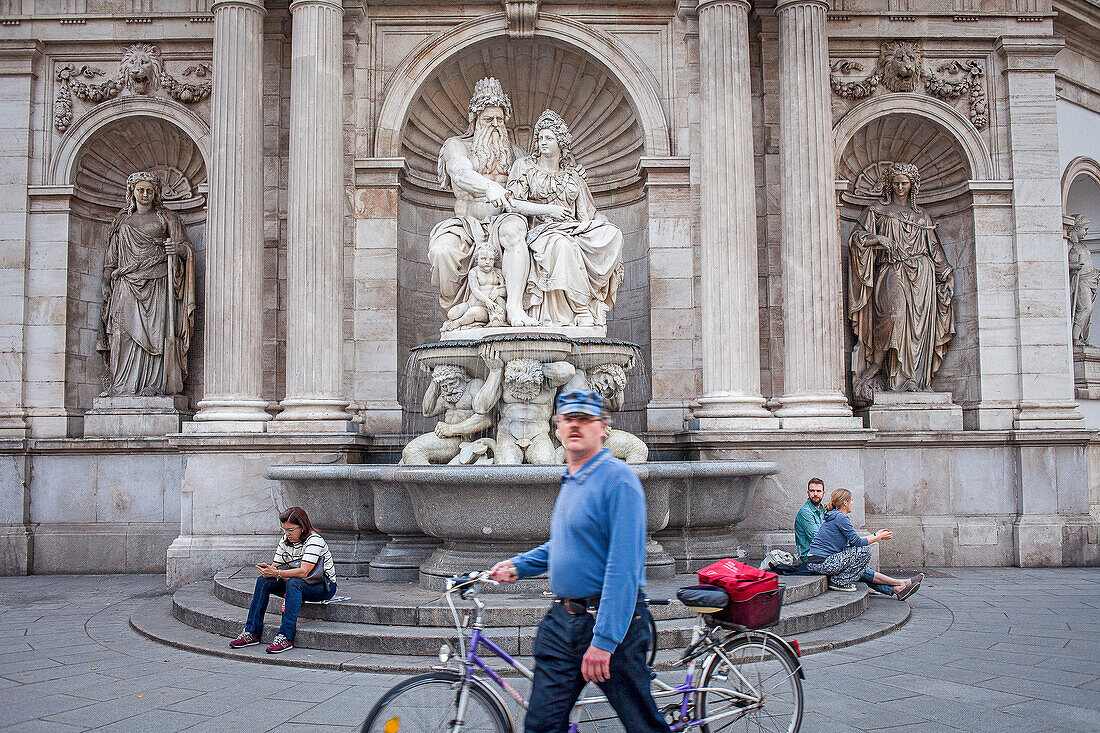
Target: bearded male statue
{"points": [[525, 389], [475, 167], [453, 394]]}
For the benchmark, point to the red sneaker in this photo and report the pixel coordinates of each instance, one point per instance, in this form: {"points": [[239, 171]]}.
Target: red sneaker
{"points": [[281, 644], [245, 639]]}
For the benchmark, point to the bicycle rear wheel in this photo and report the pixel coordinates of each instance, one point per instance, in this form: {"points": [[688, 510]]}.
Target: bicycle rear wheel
{"points": [[428, 703], [757, 688]]}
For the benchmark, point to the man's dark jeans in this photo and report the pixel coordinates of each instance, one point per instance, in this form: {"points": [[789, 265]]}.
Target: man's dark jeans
{"points": [[295, 591], [561, 642]]}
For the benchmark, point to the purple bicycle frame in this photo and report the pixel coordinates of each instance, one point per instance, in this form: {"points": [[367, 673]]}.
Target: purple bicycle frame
{"points": [[474, 660]]}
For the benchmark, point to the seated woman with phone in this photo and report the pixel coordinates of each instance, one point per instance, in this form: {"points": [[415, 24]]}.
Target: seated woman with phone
{"points": [[302, 570]]}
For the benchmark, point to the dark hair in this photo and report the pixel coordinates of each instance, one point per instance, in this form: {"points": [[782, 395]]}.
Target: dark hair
{"points": [[297, 515], [815, 480]]}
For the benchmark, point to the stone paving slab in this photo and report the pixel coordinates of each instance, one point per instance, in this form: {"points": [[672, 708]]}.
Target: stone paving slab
{"points": [[69, 661]]}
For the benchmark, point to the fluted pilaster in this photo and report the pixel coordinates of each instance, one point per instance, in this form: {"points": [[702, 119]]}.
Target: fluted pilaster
{"points": [[234, 246], [812, 305], [729, 275], [315, 272]]}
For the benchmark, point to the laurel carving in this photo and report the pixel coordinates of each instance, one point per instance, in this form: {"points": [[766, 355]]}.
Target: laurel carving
{"points": [[901, 67], [140, 72]]}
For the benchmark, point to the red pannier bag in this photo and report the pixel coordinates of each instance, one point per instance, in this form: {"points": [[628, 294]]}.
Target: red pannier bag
{"points": [[755, 596]]}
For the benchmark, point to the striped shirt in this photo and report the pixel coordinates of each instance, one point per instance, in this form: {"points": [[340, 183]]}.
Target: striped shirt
{"points": [[310, 550]]}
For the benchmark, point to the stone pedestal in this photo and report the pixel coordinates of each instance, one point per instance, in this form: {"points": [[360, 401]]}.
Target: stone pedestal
{"points": [[1086, 372], [908, 411], [133, 416]]}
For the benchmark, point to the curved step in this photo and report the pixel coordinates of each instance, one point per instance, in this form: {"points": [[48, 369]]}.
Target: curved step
{"points": [[197, 607], [407, 604], [155, 621]]}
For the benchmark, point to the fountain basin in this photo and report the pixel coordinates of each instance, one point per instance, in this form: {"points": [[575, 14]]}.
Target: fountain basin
{"points": [[482, 514]]}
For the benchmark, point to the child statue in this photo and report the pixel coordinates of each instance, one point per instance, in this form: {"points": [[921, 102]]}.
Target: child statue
{"points": [[485, 304]]}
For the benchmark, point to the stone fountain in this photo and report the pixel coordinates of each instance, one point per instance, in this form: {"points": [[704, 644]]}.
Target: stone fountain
{"points": [[527, 271]]}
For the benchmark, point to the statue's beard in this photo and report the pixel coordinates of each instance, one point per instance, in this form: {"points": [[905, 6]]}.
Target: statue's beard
{"points": [[523, 390], [492, 155], [453, 393]]}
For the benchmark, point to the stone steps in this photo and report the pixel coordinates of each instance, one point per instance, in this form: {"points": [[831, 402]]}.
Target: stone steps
{"points": [[402, 619], [154, 620], [407, 604]]}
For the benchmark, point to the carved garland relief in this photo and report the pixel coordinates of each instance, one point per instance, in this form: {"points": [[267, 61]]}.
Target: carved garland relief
{"points": [[901, 67], [140, 71]]}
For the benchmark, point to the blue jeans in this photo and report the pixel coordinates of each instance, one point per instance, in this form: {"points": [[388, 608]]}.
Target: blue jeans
{"points": [[295, 591], [561, 642], [868, 577]]}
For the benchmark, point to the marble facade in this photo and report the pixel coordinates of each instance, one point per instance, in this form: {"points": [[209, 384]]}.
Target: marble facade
{"points": [[734, 144]]}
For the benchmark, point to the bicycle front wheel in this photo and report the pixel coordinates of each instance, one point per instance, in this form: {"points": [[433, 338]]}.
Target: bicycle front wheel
{"points": [[753, 684], [428, 703]]}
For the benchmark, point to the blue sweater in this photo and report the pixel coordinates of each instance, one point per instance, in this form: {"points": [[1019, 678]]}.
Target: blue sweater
{"points": [[597, 544], [835, 535]]}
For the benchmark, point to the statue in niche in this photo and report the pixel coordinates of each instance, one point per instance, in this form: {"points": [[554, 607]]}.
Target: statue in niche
{"points": [[525, 389], [576, 253], [453, 394], [485, 304], [900, 290], [475, 166], [609, 382], [1084, 278], [148, 295]]}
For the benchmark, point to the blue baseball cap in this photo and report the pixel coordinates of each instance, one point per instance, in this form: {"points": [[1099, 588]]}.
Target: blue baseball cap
{"points": [[583, 401]]}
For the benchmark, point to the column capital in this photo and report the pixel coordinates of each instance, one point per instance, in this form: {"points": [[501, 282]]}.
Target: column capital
{"points": [[298, 4], [708, 4], [781, 5], [217, 5], [1024, 53]]}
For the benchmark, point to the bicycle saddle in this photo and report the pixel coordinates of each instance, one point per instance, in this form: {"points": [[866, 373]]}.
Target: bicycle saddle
{"points": [[703, 598]]}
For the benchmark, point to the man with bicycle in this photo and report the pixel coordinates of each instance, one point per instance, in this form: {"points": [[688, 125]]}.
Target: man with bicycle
{"points": [[597, 628]]}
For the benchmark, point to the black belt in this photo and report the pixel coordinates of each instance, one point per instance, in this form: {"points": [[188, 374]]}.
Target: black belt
{"points": [[577, 606]]}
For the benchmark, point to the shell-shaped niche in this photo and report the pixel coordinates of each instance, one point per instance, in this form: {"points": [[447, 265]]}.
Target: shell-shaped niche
{"points": [[537, 75], [141, 143], [903, 138]]}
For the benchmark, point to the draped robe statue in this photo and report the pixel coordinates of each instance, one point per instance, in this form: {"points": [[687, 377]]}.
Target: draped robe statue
{"points": [[1084, 278], [576, 253], [900, 290], [144, 337]]}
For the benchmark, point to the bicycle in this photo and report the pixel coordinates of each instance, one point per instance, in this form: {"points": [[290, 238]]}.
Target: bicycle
{"points": [[749, 678]]}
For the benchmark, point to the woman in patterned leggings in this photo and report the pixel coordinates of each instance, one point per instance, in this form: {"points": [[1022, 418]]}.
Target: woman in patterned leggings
{"points": [[840, 553]]}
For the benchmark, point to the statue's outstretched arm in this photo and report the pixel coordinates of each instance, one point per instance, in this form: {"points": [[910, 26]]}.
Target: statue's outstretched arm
{"points": [[432, 404], [559, 372], [490, 393]]}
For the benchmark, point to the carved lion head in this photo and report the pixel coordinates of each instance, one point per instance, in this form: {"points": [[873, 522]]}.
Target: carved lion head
{"points": [[141, 68], [902, 65]]}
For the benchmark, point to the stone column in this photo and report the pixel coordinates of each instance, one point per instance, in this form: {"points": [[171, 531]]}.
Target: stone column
{"points": [[234, 226], [315, 252], [813, 316], [730, 304]]}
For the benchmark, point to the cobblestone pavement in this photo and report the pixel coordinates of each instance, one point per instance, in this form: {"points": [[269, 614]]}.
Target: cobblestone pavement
{"points": [[987, 649]]}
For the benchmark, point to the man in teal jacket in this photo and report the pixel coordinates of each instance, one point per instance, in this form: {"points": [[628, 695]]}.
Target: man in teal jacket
{"points": [[809, 517]]}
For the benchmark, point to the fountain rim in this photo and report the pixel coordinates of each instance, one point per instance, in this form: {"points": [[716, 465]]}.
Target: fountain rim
{"points": [[512, 475]]}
